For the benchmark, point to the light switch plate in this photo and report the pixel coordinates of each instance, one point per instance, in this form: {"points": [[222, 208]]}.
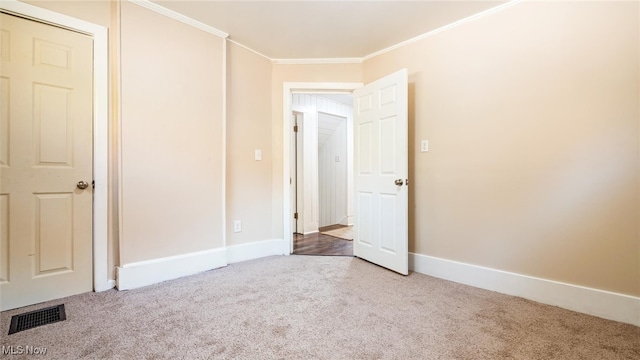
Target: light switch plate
{"points": [[424, 146], [258, 154]]}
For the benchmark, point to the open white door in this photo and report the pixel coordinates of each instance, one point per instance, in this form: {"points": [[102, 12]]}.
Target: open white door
{"points": [[381, 172]]}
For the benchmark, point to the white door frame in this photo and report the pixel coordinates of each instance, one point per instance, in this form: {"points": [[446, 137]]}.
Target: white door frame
{"points": [[288, 89], [294, 160], [101, 281]]}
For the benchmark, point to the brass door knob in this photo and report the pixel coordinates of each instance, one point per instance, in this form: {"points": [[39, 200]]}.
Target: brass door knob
{"points": [[82, 184], [399, 182]]}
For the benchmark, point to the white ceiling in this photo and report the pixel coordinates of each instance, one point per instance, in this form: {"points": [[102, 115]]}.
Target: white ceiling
{"points": [[299, 29]]}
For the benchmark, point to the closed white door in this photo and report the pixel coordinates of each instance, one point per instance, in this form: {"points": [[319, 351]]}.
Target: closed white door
{"points": [[381, 172], [45, 151]]}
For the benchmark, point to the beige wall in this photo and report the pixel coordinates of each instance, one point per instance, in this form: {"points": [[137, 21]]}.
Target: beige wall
{"points": [[532, 120], [296, 73], [172, 131], [172, 137], [531, 113], [248, 187], [97, 12]]}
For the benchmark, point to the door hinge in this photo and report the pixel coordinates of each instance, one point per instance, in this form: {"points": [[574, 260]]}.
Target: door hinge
{"points": [[295, 216], [295, 128]]}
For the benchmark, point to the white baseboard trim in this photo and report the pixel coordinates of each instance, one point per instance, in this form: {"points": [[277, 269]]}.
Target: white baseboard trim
{"points": [[347, 220], [143, 273], [310, 228], [604, 304], [258, 249], [108, 285]]}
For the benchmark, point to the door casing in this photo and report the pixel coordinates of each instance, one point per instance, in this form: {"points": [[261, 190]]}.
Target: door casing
{"points": [[288, 89], [101, 281]]}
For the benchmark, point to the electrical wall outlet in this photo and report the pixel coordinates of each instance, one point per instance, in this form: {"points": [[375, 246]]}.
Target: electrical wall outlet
{"points": [[237, 226]]}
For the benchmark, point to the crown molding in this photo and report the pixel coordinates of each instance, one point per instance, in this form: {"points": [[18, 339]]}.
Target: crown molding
{"points": [[317, 61], [179, 17], [443, 28], [249, 49]]}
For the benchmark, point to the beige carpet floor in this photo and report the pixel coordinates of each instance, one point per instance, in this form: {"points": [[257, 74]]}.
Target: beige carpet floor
{"points": [[307, 307], [342, 233]]}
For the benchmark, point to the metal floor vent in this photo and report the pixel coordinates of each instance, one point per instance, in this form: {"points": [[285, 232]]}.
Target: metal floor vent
{"points": [[37, 318]]}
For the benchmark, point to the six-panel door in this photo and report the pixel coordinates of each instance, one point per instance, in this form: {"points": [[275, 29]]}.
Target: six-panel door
{"points": [[381, 171], [45, 150]]}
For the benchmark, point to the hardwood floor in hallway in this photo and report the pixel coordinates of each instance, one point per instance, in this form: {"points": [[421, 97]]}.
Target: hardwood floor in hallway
{"points": [[321, 244]]}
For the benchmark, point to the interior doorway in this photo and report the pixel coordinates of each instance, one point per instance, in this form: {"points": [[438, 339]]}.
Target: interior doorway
{"points": [[321, 160], [380, 121], [333, 172], [288, 90]]}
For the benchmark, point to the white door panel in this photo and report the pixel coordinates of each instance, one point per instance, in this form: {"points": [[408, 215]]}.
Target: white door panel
{"points": [[45, 149], [381, 158]]}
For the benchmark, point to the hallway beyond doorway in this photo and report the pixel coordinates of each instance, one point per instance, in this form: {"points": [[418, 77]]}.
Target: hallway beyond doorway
{"points": [[321, 244]]}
